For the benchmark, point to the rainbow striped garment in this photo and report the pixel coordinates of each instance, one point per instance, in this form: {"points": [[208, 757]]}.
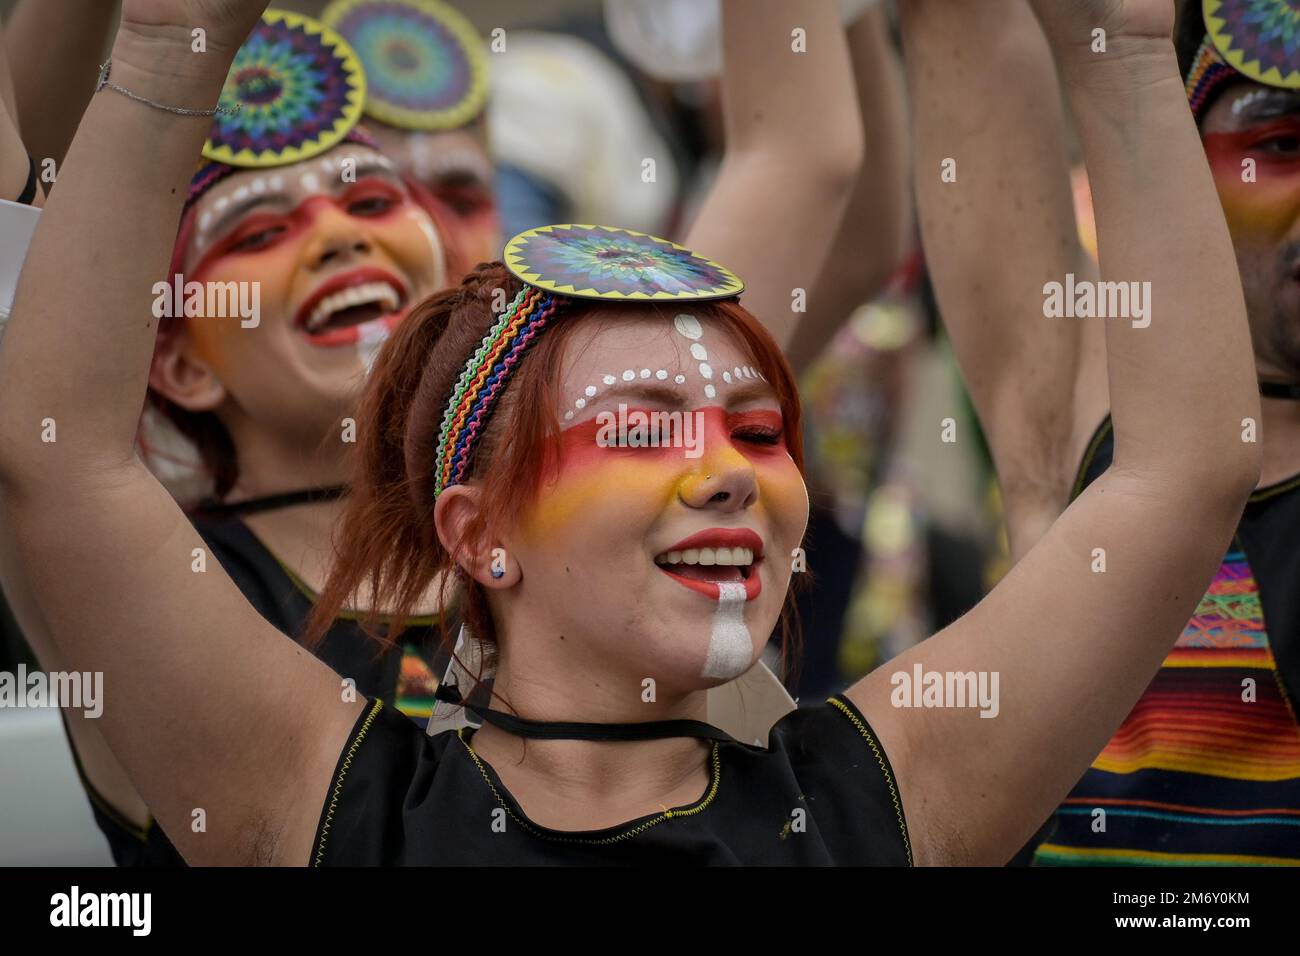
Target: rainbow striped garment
{"points": [[1206, 768]]}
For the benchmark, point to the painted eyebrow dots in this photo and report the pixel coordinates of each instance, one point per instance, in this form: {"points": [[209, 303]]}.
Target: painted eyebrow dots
{"points": [[689, 328]]}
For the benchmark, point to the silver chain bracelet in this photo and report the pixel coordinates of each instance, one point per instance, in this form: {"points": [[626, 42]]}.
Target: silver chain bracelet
{"points": [[107, 67]]}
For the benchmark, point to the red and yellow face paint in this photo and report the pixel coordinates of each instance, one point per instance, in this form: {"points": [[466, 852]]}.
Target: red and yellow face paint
{"points": [[586, 470], [1257, 171]]}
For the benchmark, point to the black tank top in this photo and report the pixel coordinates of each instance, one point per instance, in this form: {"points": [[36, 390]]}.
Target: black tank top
{"points": [[406, 678]]}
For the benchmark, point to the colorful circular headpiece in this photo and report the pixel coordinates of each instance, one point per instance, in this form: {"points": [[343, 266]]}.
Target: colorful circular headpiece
{"points": [[424, 62], [558, 263], [601, 262], [1255, 39], [300, 90]]}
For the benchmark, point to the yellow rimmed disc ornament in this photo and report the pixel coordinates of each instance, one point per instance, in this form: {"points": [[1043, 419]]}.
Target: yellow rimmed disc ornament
{"points": [[1260, 39], [425, 64], [299, 88], [604, 262]]}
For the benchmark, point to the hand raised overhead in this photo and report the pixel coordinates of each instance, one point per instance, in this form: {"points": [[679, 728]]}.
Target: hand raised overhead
{"points": [[1070, 23], [226, 23]]}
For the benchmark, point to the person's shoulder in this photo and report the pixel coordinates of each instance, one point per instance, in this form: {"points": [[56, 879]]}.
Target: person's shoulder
{"points": [[845, 772], [384, 773]]}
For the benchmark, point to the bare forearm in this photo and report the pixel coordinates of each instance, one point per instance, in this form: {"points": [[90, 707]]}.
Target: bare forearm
{"points": [[54, 47], [998, 224], [794, 145], [13, 156], [1060, 654], [78, 346], [1075, 631], [1181, 376], [877, 227]]}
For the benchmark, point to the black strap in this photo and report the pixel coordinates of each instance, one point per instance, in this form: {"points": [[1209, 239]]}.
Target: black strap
{"points": [[29, 191], [561, 730], [1279, 390], [212, 508]]}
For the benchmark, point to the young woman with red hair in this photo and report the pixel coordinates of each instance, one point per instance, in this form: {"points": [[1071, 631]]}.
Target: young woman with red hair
{"points": [[614, 582], [339, 245]]}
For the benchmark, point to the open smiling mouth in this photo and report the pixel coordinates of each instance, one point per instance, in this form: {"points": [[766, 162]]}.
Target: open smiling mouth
{"points": [[351, 306], [706, 561]]}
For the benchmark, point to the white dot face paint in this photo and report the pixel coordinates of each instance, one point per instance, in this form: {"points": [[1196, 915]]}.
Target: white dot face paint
{"points": [[731, 648], [689, 328], [1246, 100], [309, 182], [688, 325]]}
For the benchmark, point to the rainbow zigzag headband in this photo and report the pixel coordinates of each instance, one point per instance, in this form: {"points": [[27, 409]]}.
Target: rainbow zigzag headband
{"points": [[1208, 74], [558, 263]]}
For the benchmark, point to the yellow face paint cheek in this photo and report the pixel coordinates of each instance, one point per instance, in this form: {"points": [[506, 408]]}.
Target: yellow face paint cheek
{"points": [[578, 491], [1266, 208], [781, 490]]}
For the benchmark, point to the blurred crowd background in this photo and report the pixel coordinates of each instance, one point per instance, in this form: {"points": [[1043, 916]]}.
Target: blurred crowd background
{"points": [[905, 534]]}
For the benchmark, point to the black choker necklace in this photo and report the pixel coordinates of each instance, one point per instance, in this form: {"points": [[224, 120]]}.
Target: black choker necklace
{"points": [[563, 730], [1279, 390], [210, 507]]}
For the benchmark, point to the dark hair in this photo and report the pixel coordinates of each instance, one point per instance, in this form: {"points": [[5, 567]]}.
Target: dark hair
{"points": [[1189, 33], [389, 553]]}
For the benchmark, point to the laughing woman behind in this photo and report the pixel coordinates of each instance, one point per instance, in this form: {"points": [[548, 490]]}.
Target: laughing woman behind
{"points": [[575, 549]]}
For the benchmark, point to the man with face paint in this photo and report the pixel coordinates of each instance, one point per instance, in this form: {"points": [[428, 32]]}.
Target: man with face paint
{"points": [[1206, 768]]}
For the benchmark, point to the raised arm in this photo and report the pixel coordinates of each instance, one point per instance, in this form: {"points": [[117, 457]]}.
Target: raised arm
{"points": [[998, 224], [105, 559], [13, 157], [793, 150], [876, 230], [54, 47], [1074, 642]]}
